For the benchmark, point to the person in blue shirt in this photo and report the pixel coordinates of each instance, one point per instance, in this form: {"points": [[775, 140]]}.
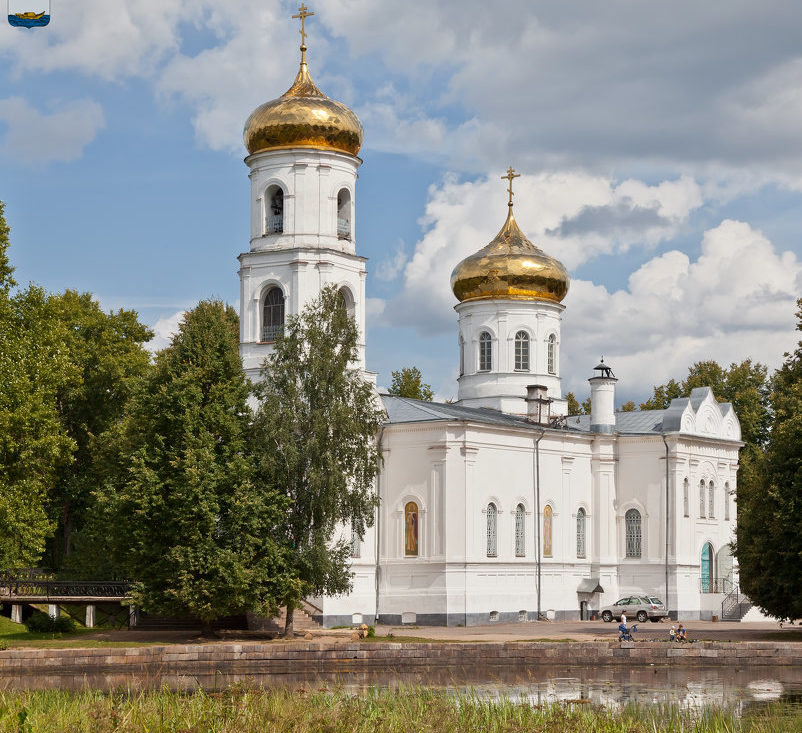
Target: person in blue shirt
{"points": [[622, 631]]}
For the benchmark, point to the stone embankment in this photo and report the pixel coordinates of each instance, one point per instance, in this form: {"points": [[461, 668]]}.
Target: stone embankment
{"points": [[293, 658]]}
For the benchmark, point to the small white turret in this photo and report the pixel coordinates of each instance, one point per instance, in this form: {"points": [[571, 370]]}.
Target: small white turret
{"points": [[602, 399]]}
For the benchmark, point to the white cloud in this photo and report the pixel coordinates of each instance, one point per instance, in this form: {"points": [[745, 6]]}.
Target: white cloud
{"points": [[36, 138], [735, 301], [572, 216], [389, 270], [163, 331]]}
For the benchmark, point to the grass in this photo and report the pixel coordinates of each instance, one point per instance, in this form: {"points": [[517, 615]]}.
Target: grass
{"points": [[16, 635], [243, 709]]}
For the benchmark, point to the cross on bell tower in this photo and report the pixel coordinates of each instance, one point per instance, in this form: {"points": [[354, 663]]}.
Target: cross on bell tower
{"points": [[511, 174], [303, 14]]}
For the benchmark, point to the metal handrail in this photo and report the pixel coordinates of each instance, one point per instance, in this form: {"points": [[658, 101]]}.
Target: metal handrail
{"points": [[343, 228], [715, 585], [730, 601], [12, 587], [274, 224]]}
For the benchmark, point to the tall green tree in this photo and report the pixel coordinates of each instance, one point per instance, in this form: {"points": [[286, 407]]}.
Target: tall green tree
{"points": [[33, 444], [574, 408], [408, 382], [769, 535], [317, 427], [107, 353], [191, 525]]}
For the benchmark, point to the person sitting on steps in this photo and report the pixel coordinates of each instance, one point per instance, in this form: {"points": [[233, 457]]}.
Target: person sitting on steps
{"points": [[682, 633]]}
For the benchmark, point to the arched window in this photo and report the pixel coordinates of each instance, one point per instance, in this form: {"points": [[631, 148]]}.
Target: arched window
{"points": [[727, 501], [580, 532], [461, 355], [485, 352], [548, 516], [346, 301], [344, 214], [274, 210], [520, 531], [711, 501], [702, 499], [492, 523], [411, 529], [522, 351], [685, 507], [272, 314], [707, 568], [356, 543], [552, 354], [633, 533]]}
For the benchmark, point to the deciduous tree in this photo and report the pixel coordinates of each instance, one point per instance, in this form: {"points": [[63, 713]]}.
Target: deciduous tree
{"points": [[408, 382], [317, 426]]}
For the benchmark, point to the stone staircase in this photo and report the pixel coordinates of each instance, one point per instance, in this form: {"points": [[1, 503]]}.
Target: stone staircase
{"points": [[735, 606], [302, 620]]}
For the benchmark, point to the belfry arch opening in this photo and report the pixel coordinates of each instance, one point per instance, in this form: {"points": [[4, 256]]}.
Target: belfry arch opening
{"points": [[272, 314], [344, 214], [274, 210]]}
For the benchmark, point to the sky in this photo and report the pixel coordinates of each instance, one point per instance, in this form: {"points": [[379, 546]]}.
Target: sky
{"points": [[660, 147]]}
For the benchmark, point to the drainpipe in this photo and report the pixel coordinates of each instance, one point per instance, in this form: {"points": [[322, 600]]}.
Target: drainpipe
{"points": [[536, 457], [663, 436], [378, 522]]}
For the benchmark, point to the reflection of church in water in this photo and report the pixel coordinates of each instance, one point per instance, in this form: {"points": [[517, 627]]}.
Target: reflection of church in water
{"points": [[500, 504]]}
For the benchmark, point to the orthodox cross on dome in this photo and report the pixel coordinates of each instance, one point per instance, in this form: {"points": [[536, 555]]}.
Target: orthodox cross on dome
{"points": [[510, 175], [303, 14]]}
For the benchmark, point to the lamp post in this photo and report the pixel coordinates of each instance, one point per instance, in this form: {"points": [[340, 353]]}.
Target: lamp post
{"points": [[665, 442]]}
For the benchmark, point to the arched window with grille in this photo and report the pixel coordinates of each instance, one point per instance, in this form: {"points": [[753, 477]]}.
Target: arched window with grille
{"points": [[492, 525], [580, 533], [485, 352], [520, 531], [274, 210], [344, 214], [711, 501], [522, 351], [702, 499], [727, 501], [685, 505], [552, 354], [411, 529], [272, 314], [632, 523], [548, 521]]}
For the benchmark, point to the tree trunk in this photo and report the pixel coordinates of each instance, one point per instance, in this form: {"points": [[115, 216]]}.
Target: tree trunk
{"points": [[289, 632], [207, 631]]}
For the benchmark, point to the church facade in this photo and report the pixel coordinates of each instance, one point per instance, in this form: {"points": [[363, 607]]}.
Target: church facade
{"points": [[498, 507]]}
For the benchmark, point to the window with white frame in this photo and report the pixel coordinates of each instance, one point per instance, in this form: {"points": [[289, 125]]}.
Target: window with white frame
{"points": [[552, 354], [485, 352], [711, 493], [492, 524], [632, 523], [520, 531], [272, 314], [702, 499], [685, 505], [522, 351], [580, 532]]}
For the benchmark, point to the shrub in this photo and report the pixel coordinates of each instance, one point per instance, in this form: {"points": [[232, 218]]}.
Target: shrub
{"points": [[371, 632], [42, 623]]}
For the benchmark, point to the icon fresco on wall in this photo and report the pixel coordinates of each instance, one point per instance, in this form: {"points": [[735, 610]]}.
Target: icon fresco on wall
{"points": [[28, 13]]}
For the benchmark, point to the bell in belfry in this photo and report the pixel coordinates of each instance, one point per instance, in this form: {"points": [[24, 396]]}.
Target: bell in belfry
{"points": [[29, 13]]}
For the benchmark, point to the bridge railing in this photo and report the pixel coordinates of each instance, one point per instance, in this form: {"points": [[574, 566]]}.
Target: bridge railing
{"points": [[13, 587]]}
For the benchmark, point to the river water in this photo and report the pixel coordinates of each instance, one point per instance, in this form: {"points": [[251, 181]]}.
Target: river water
{"points": [[689, 687]]}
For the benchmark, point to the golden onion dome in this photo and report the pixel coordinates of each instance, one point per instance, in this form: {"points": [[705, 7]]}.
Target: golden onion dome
{"points": [[303, 117], [510, 268]]}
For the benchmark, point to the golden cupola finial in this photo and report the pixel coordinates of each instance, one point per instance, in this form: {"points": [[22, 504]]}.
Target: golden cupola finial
{"points": [[303, 117], [510, 267]]}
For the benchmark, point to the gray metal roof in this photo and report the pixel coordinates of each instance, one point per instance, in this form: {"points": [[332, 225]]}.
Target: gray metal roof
{"points": [[637, 421], [404, 410]]}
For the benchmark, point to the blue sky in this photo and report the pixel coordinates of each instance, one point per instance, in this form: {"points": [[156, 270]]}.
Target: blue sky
{"points": [[661, 147]]}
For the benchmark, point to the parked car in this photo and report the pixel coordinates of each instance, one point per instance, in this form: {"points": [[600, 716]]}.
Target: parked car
{"points": [[638, 608]]}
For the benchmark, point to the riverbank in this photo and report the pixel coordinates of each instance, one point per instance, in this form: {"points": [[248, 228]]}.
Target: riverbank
{"points": [[244, 709]]}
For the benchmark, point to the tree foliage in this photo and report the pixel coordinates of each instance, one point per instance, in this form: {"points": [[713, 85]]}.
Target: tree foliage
{"points": [[408, 382], [107, 354], [316, 430], [33, 443], [769, 538], [191, 526]]}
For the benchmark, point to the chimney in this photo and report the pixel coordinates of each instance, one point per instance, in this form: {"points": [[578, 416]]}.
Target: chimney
{"points": [[538, 404], [602, 399]]}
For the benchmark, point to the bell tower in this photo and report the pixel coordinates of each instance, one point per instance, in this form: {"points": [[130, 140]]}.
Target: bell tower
{"points": [[302, 155]]}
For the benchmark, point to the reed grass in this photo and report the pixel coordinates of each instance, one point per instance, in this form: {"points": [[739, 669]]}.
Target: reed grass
{"points": [[243, 709]]}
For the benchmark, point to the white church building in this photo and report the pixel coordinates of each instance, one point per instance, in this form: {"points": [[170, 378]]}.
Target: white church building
{"points": [[500, 505]]}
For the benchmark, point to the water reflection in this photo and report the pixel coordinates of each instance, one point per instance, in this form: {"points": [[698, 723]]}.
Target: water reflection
{"points": [[685, 687]]}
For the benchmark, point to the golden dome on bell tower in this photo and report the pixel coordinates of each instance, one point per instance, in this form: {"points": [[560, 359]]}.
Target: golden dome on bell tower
{"points": [[303, 117], [510, 268]]}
